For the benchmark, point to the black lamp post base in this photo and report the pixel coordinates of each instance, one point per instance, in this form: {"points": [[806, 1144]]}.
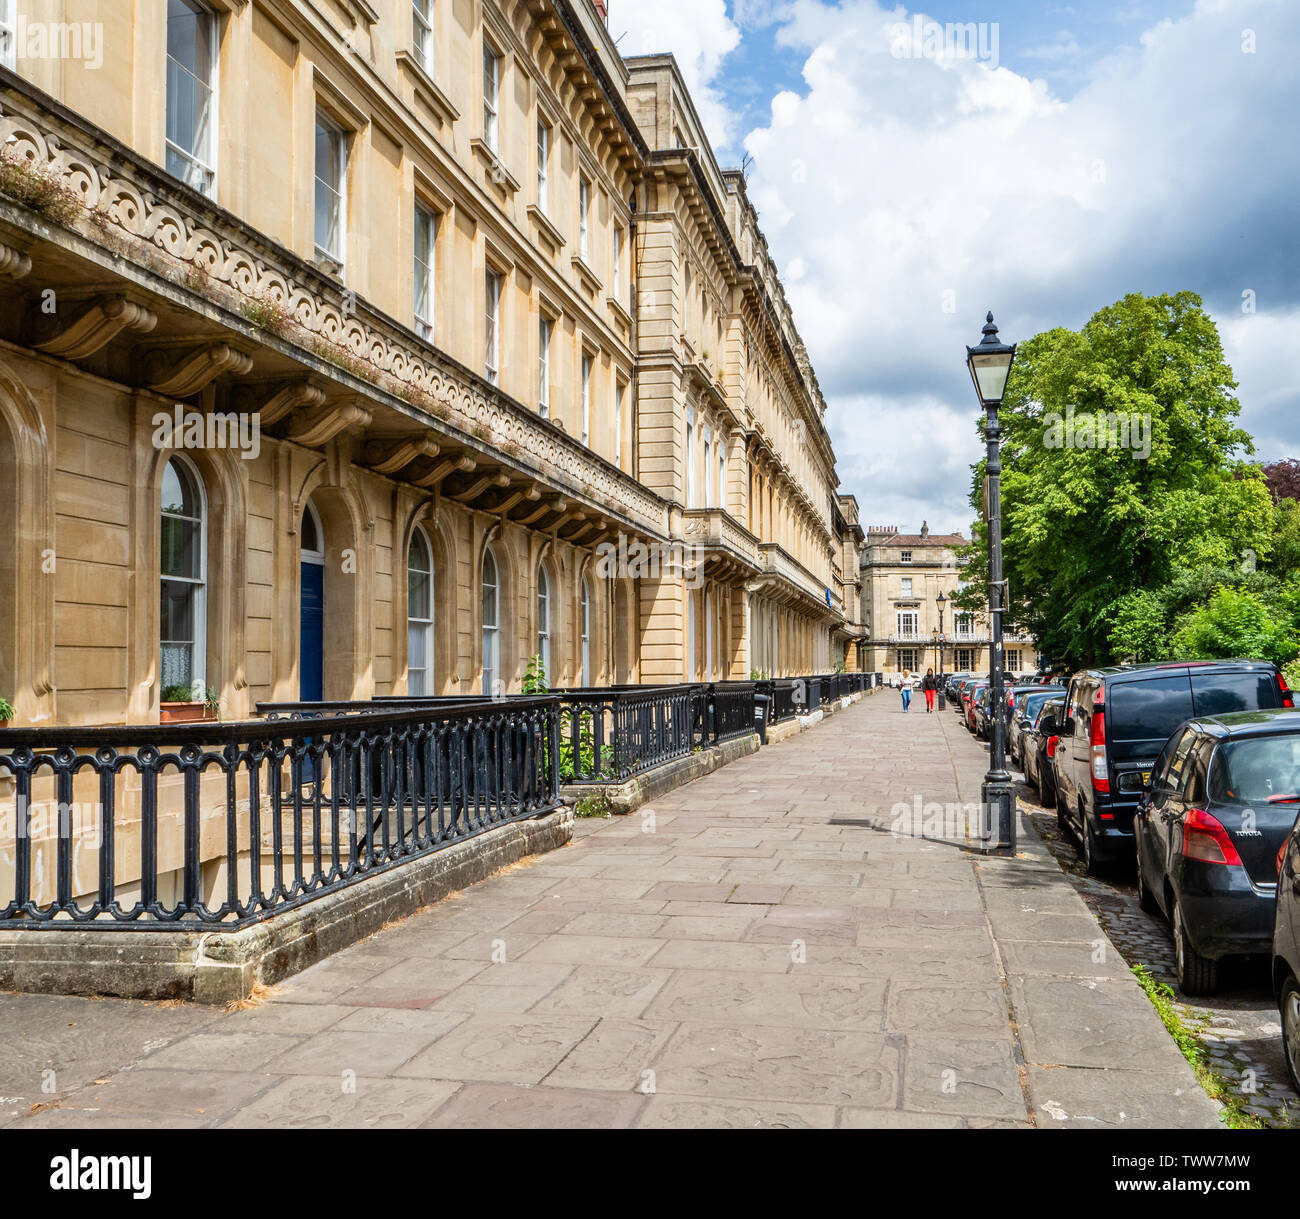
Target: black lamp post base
{"points": [[998, 800]]}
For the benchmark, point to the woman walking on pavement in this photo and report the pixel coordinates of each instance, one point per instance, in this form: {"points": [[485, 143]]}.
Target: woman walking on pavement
{"points": [[929, 684], [908, 682]]}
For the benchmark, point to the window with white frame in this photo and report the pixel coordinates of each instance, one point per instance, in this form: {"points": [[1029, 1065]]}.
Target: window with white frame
{"points": [[544, 328], [544, 624], [966, 660], [331, 197], [182, 627], [706, 443], [426, 244], [620, 388], [492, 327], [191, 90], [908, 624], [722, 471], [618, 262], [907, 659], [491, 96], [491, 623], [963, 623], [586, 399], [422, 33], [690, 459], [543, 162], [584, 211], [419, 614], [907, 586], [905, 556], [692, 662], [708, 636], [8, 37], [1011, 661], [585, 615]]}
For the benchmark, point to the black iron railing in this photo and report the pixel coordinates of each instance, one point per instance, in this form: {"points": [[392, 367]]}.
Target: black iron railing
{"points": [[610, 733], [210, 823]]}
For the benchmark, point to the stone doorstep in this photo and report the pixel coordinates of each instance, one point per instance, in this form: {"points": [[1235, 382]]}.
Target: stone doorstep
{"points": [[223, 966]]}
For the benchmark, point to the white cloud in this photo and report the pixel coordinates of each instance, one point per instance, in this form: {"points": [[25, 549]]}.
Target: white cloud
{"points": [[913, 194]]}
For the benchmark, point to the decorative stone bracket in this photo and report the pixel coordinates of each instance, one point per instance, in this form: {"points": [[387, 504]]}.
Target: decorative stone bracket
{"points": [[98, 325]]}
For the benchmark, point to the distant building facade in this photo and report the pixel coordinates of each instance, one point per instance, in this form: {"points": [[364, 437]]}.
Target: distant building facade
{"points": [[903, 575]]}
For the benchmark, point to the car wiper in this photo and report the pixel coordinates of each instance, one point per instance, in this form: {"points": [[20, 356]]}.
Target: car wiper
{"points": [[1283, 800]]}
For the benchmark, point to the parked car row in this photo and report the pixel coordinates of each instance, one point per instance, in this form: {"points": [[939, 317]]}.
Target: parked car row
{"points": [[1191, 771]]}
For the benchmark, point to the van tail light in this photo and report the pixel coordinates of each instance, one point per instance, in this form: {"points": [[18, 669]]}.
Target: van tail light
{"points": [[1281, 855], [1204, 838], [1100, 773], [1288, 699], [1052, 742]]}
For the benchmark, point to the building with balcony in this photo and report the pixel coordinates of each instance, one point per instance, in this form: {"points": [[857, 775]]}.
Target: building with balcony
{"points": [[903, 576], [341, 343]]}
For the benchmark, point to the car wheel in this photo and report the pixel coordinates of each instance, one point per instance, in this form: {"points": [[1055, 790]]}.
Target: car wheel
{"points": [[1146, 899], [1087, 845], [1289, 1007], [1197, 975]]}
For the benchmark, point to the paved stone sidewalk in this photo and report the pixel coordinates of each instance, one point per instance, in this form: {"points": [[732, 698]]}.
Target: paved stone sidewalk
{"points": [[756, 950]]}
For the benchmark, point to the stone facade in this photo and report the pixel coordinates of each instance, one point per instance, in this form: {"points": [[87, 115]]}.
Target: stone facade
{"points": [[903, 575], [454, 304]]}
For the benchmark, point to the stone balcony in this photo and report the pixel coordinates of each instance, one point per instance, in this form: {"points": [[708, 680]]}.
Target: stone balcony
{"points": [[788, 580], [729, 549]]}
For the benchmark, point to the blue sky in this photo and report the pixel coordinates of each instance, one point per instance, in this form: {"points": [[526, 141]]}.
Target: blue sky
{"points": [[1107, 148]]}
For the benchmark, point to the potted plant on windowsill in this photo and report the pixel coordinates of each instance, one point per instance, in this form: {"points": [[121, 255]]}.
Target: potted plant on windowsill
{"points": [[6, 712], [179, 705]]}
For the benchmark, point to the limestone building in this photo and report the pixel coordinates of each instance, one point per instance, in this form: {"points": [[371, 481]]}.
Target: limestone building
{"points": [[903, 576], [353, 347]]}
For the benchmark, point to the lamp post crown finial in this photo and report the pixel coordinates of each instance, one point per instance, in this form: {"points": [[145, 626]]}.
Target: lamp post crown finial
{"points": [[990, 331]]}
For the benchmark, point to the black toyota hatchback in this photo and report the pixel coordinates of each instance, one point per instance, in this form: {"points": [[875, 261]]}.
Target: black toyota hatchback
{"points": [[1117, 720], [1222, 798]]}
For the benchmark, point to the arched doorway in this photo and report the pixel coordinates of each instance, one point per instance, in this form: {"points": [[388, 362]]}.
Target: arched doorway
{"points": [[311, 620]]}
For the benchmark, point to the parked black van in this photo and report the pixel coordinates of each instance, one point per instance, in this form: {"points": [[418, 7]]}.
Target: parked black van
{"points": [[1117, 720]]}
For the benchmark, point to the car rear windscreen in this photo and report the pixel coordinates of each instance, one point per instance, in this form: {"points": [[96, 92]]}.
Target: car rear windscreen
{"points": [[1257, 770], [1147, 710], [1219, 693]]}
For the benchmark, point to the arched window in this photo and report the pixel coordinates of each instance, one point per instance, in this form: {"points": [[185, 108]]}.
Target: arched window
{"points": [[491, 623], [585, 614], [313, 536], [544, 623], [419, 615], [183, 625]]}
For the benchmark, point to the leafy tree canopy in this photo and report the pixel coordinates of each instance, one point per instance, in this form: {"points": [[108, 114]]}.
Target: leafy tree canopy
{"points": [[1098, 537]]}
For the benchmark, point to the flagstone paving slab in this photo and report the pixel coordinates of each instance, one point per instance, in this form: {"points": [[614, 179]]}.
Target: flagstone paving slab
{"points": [[762, 948]]}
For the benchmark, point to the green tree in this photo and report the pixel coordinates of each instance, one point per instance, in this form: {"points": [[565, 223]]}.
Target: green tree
{"points": [[1094, 536], [1233, 623]]}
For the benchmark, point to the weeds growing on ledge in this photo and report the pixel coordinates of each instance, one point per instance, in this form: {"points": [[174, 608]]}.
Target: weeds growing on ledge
{"points": [[38, 188]]}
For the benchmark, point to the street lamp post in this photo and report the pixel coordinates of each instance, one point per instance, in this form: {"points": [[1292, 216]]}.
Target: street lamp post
{"points": [[989, 363], [941, 601]]}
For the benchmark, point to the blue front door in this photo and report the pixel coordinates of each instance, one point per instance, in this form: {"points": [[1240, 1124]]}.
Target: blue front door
{"points": [[311, 634]]}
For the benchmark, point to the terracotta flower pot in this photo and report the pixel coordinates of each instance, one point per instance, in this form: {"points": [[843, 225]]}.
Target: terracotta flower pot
{"points": [[184, 713]]}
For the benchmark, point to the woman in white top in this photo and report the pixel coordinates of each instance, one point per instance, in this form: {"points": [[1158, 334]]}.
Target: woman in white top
{"points": [[909, 683]]}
